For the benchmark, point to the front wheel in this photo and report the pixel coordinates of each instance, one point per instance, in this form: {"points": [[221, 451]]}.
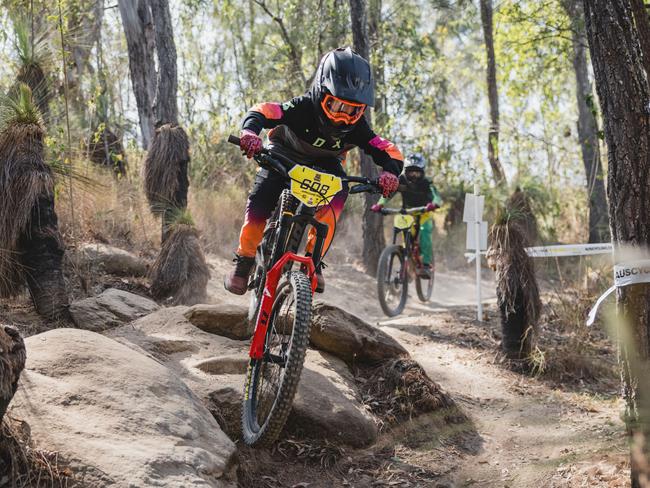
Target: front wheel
{"points": [[272, 381], [392, 280], [424, 286]]}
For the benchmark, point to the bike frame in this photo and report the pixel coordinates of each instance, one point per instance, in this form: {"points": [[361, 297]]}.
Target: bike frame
{"points": [[268, 297], [411, 245], [305, 216]]}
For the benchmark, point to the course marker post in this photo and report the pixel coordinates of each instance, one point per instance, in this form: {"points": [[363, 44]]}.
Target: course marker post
{"points": [[476, 238]]}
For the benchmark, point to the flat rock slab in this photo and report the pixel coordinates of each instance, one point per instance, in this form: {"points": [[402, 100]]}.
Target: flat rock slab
{"points": [[224, 320], [204, 361], [211, 365], [328, 405], [110, 309], [348, 337], [118, 417], [112, 260]]}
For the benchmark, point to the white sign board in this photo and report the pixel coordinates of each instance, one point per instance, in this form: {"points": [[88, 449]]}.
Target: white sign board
{"points": [[470, 242], [469, 212]]}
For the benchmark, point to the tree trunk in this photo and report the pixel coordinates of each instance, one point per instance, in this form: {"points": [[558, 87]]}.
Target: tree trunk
{"points": [[41, 257], [85, 21], [12, 362], [493, 94], [373, 224], [165, 107], [139, 32], [588, 127], [374, 35], [624, 96], [643, 29]]}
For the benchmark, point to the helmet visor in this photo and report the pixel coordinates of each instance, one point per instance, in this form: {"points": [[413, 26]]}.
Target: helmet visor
{"points": [[342, 111]]}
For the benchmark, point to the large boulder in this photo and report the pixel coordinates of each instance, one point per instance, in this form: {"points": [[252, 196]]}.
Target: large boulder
{"points": [[204, 361], [213, 366], [225, 320], [111, 260], [111, 308], [348, 337], [12, 362], [328, 404], [118, 417]]}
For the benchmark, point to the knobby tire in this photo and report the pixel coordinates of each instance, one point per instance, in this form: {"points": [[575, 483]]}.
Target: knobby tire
{"points": [[263, 432], [424, 287], [385, 272]]}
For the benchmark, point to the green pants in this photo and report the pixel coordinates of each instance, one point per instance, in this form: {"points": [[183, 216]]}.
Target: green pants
{"points": [[426, 239]]}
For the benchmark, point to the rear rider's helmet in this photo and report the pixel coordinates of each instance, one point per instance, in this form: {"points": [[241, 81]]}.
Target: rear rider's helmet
{"points": [[342, 89], [414, 166]]}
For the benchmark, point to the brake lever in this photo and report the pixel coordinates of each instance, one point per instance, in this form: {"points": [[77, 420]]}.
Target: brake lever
{"points": [[266, 161]]}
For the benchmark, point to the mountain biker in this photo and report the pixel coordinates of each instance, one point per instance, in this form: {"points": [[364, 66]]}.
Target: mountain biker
{"points": [[317, 128], [418, 191]]}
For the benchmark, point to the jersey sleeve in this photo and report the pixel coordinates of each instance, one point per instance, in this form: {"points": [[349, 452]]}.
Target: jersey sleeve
{"points": [[435, 196], [267, 115], [383, 152]]}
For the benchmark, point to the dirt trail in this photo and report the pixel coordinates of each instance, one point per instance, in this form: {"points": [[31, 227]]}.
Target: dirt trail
{"points": [[528, 433]]}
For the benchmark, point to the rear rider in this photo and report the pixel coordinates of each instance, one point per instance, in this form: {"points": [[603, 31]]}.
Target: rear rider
{"points": [[317, 128], [418, 191]]}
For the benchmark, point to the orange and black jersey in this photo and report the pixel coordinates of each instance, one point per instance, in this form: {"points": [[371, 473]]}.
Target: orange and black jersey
{"points": [[294, 127]]}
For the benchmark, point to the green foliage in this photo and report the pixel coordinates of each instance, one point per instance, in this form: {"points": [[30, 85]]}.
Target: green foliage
{"points": [[19, 108], [180, 217], [31, 50]]}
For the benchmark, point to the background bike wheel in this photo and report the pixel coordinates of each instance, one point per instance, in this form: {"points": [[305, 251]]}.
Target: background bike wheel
{"points": [[392, 280], [424, 287], [272, 381]]}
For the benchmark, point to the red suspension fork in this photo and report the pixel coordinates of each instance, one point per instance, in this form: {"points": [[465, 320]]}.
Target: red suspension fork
{"points": [[268, 297]]}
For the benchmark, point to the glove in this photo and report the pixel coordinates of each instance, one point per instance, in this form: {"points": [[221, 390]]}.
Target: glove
{"points": [[376, 207], [388, 183], [431, 207], [250, 143]]}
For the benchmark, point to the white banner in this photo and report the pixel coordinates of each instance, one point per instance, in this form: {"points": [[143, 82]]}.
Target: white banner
{"points": [[561, 250], [625, 274], [568, 250]]}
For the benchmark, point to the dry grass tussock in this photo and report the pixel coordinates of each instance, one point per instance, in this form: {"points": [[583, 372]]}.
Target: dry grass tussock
{"points": [[568, 352], [399, 390], [111, 211], [23, 466], [168, 154], [12, 362], [180, 274], [219, 215], [116, 211], [23, 178]]}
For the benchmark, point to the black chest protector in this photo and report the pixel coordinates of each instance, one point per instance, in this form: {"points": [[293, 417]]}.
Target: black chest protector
{"points": [[415, 194]]}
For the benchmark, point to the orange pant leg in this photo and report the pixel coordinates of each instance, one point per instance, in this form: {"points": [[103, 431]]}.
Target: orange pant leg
{"points": [[328, 214]]}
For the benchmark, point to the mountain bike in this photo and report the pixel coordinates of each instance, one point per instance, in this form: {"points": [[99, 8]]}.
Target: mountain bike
{"points": [[399, 263], [282, 285]]}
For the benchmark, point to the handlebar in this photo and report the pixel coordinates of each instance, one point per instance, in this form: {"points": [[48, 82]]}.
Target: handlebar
{"points": [[267, 157], [403, 211]]}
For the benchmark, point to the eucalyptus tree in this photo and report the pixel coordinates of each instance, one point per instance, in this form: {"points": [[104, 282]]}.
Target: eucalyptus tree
{"points": [[624, 93]]}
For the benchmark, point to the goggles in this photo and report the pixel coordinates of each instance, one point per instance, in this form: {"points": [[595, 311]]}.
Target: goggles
{"points": [[342, 111]]}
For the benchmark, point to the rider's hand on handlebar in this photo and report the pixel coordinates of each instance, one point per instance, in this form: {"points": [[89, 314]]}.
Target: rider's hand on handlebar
{"points": [[376, 207], [250, 143], [388, 183], [431, 207]]}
